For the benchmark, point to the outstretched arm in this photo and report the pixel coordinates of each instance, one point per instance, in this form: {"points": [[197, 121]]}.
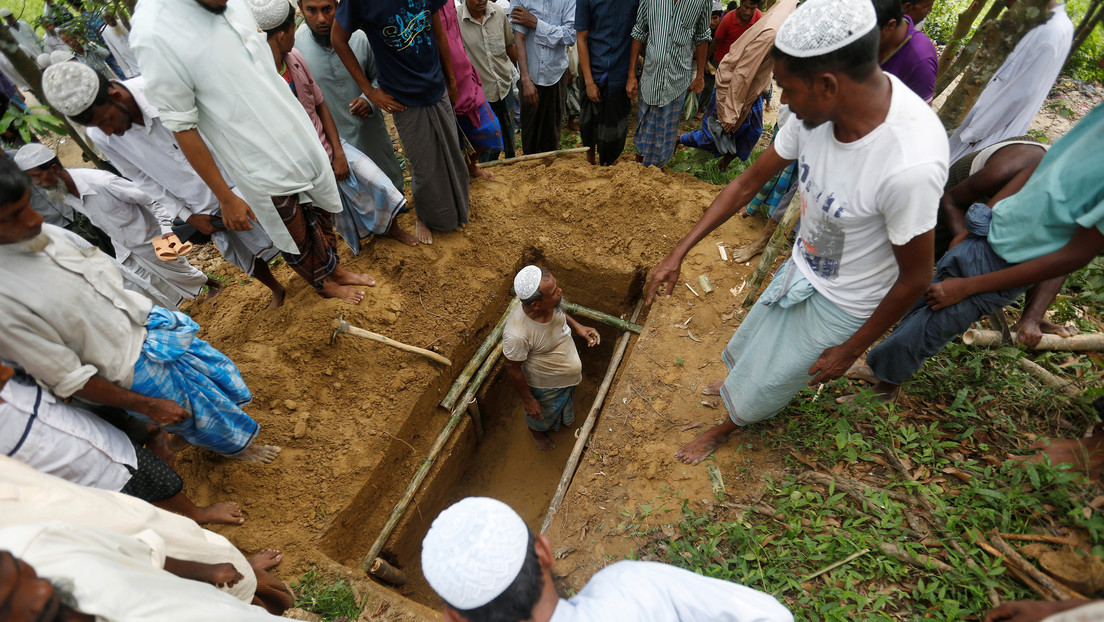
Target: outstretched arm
{"points": [[236, 213], [102, 391], [586, 332], [734, 196]]}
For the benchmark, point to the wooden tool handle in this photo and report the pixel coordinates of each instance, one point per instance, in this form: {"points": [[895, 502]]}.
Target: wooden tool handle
{"points": [[344, 326]]}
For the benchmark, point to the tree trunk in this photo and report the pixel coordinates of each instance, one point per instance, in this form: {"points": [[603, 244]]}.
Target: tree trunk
{"points": [[959, 64], [992, 44], [966, 19], [28, 69], [1093, 15]]}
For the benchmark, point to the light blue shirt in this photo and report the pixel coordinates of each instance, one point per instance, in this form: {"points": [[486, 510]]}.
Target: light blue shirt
{"points": [[546, 45], [1064, 194]]}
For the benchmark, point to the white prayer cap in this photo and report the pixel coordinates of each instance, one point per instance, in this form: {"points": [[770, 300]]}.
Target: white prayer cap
{"points": [[33, 155], [717, 5], [527, 282], [5, 12], [474, 551], [43, 60], [269, 13], [818, 27], [60, 56], [70, 87]]}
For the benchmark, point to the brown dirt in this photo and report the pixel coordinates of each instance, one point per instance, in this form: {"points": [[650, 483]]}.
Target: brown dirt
{"points": [[366, 414]]}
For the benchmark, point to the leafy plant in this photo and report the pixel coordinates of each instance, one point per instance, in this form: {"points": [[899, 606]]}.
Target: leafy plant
{"points": [[34, 121], [329, 597]]}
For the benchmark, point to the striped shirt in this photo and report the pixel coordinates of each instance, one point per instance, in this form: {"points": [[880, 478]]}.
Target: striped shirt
{"points": [[671, 30]]}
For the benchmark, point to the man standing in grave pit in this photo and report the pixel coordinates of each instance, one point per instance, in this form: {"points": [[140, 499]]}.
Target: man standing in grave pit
{"points": [[541, 357]]}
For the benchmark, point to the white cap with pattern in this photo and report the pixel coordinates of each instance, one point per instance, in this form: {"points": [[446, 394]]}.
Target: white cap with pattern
{"points": [[269, 13], [33, 155], [527, 282], [5, 12], [43, 60], [70, 87], [818, 27], [474, 551], [60, 56]]}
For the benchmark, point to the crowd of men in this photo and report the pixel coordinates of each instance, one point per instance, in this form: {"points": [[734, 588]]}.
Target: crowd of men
{"points": [[226, 122]]}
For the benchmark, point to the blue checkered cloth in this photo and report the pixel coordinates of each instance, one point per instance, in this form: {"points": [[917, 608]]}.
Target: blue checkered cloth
{"points": [[557, 408], [657, 132], [175, 365], [776, 193]]}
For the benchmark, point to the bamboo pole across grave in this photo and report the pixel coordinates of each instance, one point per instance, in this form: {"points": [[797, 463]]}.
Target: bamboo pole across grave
{"points": [[588, 425], [427, 463], [526, 158], [605, 318], [477, 359]]}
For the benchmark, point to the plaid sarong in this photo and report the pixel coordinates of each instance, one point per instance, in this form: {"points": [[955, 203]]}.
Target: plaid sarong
{"points": [[487, 135], [312, 230], [176, 365], [369, 199], [776, 193], [557, 407], [657, 132]]}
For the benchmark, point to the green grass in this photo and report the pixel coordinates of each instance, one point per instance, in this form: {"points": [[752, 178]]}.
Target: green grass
{"points": [[27, 10], [329, 597]]}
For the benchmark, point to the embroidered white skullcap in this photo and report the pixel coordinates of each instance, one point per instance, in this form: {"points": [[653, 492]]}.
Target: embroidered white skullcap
{"points": [[527, 282], [33, 155], [474, 551], [717, 5], [70, 87], [269, 13], [818, 27], [60, 56], [5, 12], [43, 60]]}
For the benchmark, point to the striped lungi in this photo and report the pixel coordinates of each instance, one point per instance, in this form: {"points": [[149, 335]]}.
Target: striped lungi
{"points": [[657, 132]]}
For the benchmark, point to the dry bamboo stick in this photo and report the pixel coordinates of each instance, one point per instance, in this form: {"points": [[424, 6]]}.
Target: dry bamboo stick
{"points": [[850, 558], [427, 463], [477, 359], [588, 425], [1065, 387], [386, 572], [1037, 537], [1093, 342], [1026, 580], [527, 157], [770, 253], [1037, 575], [605, 318]]}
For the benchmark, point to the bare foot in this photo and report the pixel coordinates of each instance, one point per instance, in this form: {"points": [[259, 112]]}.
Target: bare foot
{"points": [[341, 276], [214, 288], [219, 575], [422, 232], [861, 371], [258, 454], [277, 298], [333, 290], [700, 448], [223, 512], [713, 388], [544, 443], [266, 559], [397, 232], [178, 442], [158, 444], [475, 171]]}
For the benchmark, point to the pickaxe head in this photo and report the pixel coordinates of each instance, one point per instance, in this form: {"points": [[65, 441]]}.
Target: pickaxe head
{"points": [[341, 327]]}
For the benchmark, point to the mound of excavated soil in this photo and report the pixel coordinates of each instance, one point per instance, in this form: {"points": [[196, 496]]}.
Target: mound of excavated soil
{"points": [[356, 418]]}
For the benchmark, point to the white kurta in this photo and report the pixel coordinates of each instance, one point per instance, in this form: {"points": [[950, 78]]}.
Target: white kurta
{"points": [[62, 440], [118, 43], [67, 316], [27, 38], [121, 578], [148, 155], [1014, 95], [132, 219], [215, 73], [653, 592]]}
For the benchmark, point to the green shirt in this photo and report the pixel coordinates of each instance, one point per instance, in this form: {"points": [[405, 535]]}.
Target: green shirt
{"points": [[1064, 194]]}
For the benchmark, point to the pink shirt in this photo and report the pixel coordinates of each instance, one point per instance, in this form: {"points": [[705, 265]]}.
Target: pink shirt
{"points": [[468, 85], [308, 92]]}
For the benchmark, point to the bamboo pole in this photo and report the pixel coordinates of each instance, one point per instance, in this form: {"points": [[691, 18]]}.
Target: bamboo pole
{"points": [[605, 318], [1065, 387], [1078, 343], [427, 463], [1014, 558], [770, 253], [477, 358], [526, 158], [588, 425]]}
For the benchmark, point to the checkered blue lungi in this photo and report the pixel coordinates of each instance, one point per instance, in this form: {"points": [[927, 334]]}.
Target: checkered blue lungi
{"points": [[176, 365], [557, 408], [657, 132]]}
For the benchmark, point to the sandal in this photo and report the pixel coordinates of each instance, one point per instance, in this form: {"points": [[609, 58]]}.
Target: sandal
{"points": [[168, 247]]}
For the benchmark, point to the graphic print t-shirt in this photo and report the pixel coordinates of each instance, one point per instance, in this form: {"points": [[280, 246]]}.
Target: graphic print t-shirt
{"points": [[401, 35], [859, 199]]}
